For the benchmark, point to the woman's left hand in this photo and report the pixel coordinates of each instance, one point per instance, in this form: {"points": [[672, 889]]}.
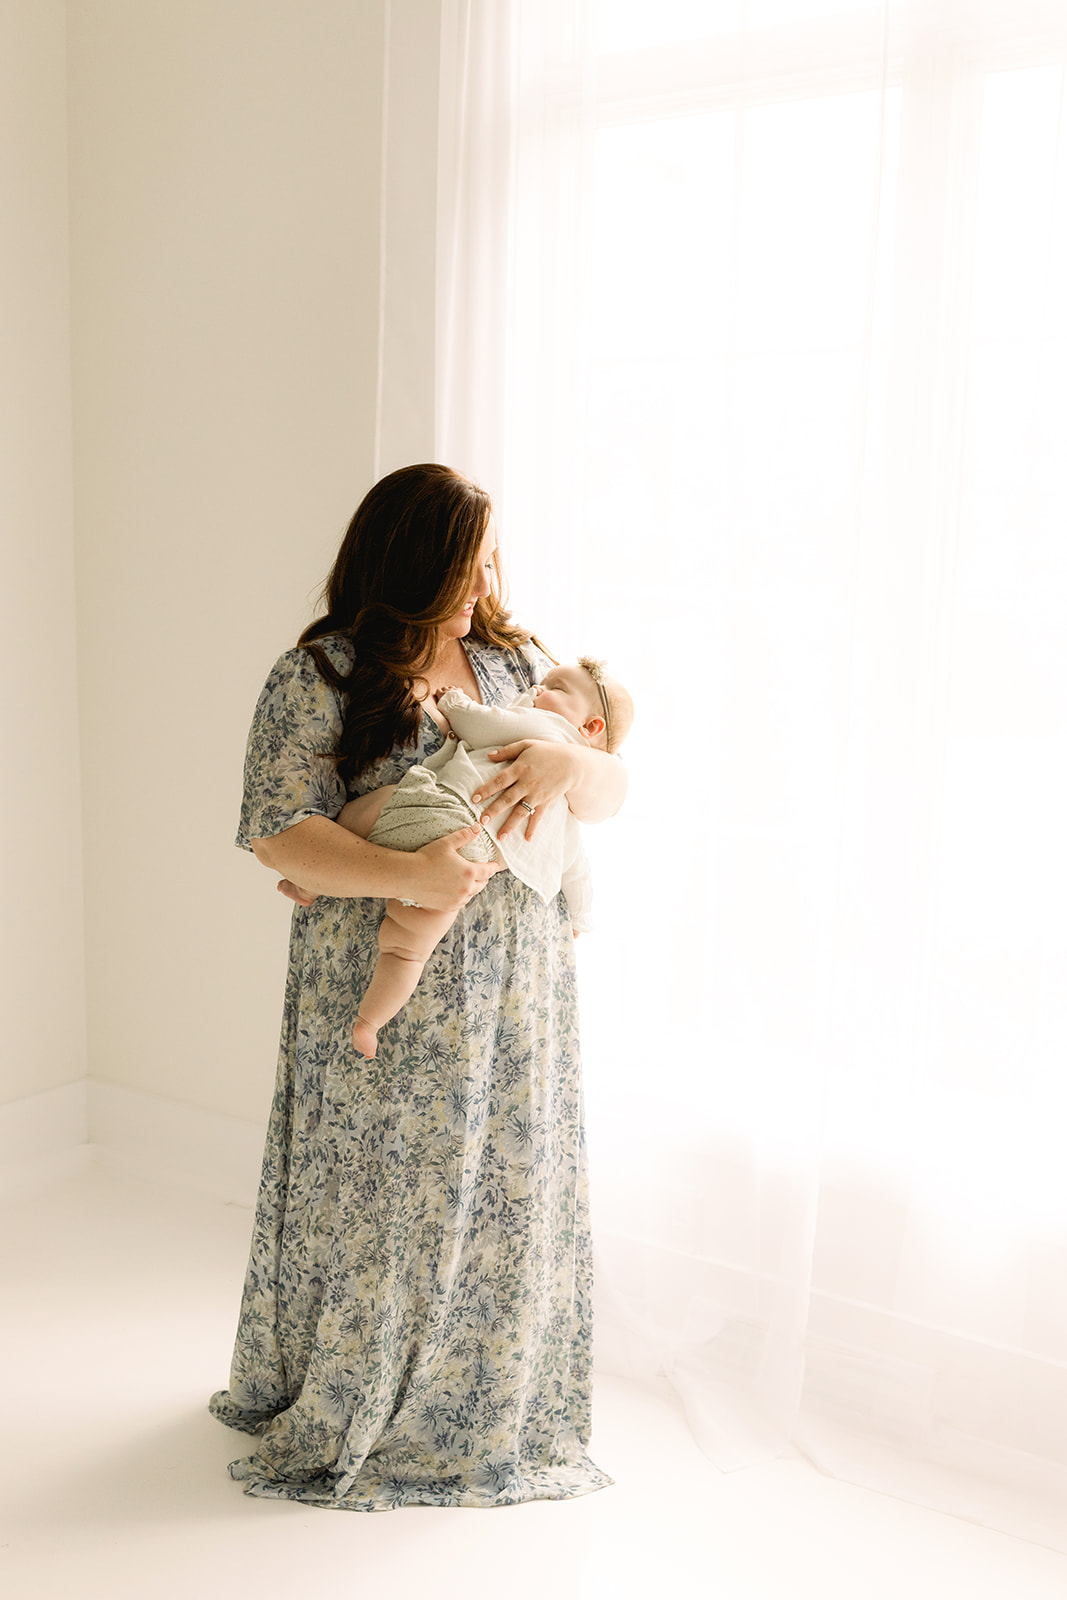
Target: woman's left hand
{"points": [[538, 772]]}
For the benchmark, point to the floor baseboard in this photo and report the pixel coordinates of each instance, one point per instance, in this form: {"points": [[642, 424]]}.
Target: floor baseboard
{"points": [[42, 1136], [154, 1137], [40, 1126]]}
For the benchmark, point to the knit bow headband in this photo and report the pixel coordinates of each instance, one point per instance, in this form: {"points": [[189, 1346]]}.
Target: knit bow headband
{"points": [[595, 670]]}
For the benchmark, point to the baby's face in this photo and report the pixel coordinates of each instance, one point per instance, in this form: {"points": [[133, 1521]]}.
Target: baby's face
{"points": [[571, 693]]}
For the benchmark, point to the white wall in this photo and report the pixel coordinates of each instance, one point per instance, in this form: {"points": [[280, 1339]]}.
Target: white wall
{"points": [[225, 187], [42, 1040], [407, 377]]}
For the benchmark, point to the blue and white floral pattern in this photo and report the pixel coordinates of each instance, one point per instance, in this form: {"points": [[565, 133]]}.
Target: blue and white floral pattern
{"points": [[416, 1320]]}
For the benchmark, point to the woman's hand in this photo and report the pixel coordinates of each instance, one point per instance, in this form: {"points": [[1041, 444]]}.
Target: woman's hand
{"points": [[543, 770], [293, 891], [450, 879], [538, 772]]}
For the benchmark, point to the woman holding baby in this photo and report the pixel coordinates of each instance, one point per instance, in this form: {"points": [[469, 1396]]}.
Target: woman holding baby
{"points": [[415, 1327]]}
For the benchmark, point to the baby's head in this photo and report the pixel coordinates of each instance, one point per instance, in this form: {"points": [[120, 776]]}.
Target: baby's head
{"points": [[583, 695]]}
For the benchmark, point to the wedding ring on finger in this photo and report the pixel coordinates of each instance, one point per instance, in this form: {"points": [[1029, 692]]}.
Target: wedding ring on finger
{"points": [[525, 807]]}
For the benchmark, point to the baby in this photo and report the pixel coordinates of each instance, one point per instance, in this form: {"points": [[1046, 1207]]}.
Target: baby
{"points": [[577, 704]]}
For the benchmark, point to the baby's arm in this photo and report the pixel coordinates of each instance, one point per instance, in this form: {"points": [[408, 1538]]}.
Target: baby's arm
{"points": [[485, 727]]}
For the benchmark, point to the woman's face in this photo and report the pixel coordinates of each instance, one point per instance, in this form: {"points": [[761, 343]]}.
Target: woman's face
{"points": [[460, 623]]}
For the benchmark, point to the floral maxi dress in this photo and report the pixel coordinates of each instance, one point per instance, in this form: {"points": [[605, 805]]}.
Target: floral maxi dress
{"points": [[416, 1319]]}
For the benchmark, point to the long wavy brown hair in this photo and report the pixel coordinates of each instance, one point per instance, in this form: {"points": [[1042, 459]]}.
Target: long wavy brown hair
{"points": [[405, 566]]}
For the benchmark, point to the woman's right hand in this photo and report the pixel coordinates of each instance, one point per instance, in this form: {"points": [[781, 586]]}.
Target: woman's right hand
{"points": [[447, 880], [293, 891]]}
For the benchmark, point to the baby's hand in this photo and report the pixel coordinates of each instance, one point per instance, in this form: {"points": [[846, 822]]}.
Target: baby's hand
{"points": [[292, 891], [444, 689]]}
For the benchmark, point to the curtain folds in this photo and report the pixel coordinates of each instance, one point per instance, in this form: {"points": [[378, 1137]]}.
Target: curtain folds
{"points": [[753, 318]]}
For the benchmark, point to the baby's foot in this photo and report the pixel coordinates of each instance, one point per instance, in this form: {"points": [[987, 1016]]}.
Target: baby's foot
{"points": [[364, 1037]]}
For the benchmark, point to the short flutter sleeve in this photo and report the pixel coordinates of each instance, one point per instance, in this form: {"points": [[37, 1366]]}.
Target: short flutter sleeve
{"points": [[289, 773]]}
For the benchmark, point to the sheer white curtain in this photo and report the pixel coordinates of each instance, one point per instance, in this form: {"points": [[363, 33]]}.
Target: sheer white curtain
{"points": [[753, 316]]}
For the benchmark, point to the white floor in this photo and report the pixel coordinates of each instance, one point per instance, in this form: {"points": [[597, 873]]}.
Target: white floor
{"points": [[122, 1297]]}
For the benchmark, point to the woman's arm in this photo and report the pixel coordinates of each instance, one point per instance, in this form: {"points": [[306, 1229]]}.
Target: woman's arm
{"points": [[540, 771], [358, 816], [324, 858]]}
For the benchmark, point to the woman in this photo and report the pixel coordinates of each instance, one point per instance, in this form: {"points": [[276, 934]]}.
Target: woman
{"points": [[415, 1327]]}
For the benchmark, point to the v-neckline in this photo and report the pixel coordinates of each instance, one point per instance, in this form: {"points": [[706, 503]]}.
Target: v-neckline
{"points": [[479, 678]]}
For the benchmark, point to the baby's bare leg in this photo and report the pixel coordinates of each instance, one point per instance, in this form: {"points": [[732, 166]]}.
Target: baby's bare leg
{"points": [[406, 940], [360, 814]]}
